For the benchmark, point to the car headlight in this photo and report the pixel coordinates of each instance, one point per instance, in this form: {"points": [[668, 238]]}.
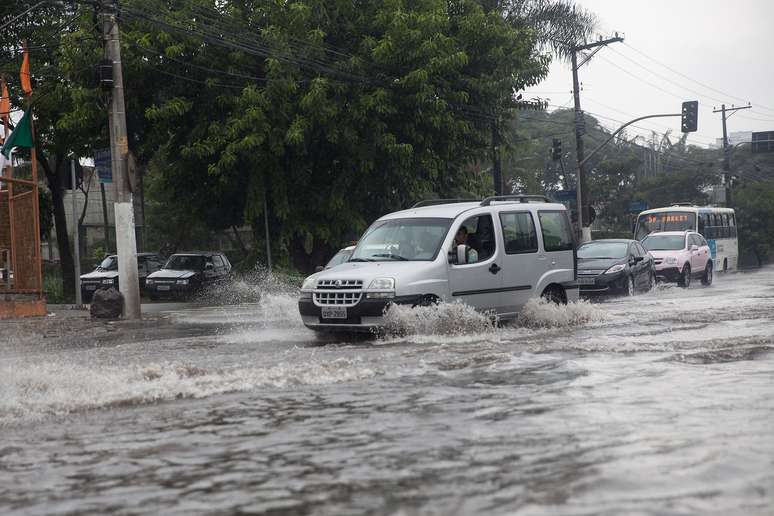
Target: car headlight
{"points": [[182, 282], [107, 281], [381, 288], [382, 284], [671, 259], [149, 281], [616, 268], [309, 283]]}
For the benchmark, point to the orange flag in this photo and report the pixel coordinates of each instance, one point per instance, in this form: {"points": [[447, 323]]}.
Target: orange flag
{"points": [[5, 101], [24, 74]]}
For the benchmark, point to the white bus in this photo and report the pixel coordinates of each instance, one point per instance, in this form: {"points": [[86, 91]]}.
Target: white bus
{"points": [[717, 225]]}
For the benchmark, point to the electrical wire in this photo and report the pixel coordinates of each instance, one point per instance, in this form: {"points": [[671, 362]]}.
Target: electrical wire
{"points": [[643, 54]]}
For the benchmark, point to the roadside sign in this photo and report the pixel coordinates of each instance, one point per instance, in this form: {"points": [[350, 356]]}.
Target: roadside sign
{"points": [[104, 165], [565, 195], [637, 206]]}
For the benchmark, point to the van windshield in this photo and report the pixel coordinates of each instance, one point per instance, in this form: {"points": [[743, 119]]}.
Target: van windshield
{"points": [[414, 239]]}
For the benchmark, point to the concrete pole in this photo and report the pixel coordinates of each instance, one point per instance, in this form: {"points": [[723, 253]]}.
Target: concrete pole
{"points": [[76, 238], [126, 240]]}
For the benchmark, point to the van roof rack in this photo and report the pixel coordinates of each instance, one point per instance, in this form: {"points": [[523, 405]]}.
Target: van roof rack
{"points": [[683, 204], [520, 198], [436, 202]]}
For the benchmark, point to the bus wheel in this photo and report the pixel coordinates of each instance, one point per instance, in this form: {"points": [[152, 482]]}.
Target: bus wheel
{"points": [[706, 280]]}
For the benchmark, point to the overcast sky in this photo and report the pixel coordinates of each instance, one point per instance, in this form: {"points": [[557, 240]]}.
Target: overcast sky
{"points": [[723, 49]]}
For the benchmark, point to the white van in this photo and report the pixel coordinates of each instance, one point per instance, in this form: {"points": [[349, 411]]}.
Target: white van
{"points": [[517, 247]]}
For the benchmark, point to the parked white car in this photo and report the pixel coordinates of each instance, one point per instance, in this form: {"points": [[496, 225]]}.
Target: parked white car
{"points": [[493, 254]]}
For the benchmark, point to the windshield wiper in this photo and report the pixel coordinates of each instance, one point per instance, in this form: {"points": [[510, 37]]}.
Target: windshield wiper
{"points": [[395, 256], [360, 260]]}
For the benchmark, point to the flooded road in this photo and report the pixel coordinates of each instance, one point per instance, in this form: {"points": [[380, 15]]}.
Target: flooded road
{"points": [[658, 404]]}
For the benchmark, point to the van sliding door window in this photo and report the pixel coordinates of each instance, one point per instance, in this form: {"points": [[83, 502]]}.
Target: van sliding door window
{"points": [[557, 234], [519, 233]]}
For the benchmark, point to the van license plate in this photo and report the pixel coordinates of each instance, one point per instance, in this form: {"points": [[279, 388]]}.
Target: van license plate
{"points": [[162, 287], [586, 281], [334, 312]]}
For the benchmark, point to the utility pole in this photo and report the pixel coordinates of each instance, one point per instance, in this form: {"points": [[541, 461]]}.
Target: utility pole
{"points": [[76, 237], [126, 239], [726, 148], [582, 196]]}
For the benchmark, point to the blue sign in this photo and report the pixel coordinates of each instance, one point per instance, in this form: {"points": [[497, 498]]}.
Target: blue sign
{"points": [[565, 195], [104, 165], [637, 206]]}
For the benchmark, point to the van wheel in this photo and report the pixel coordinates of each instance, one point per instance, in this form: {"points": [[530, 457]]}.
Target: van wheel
{"points": [[706, 280], [685, 277], [153, 297], [555, 294], [428, 300]]}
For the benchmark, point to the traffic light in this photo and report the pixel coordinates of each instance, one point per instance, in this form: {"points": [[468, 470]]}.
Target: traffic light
{"points": [[690, 118], [556, 149]]}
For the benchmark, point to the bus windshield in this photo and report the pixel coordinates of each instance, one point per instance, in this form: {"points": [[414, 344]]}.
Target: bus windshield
{"points": [[648, 223]]}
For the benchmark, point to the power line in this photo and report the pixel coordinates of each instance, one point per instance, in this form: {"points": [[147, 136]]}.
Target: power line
{"points": [[694, 80]]}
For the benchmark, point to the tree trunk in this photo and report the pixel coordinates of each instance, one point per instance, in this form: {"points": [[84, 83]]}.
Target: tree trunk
{"points": [[53, 177]]}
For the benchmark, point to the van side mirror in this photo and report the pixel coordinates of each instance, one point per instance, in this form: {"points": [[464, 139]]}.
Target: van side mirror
{"points": [[462, 255], [319, 268], [694, 247]]}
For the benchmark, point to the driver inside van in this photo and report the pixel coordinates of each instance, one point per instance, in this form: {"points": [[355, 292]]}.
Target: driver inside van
{"points": [[463, 238]]}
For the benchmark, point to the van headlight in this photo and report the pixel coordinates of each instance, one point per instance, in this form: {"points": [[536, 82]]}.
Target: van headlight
{"points": [[381, 288], [615, 268], [149, 281], [309, 283]]}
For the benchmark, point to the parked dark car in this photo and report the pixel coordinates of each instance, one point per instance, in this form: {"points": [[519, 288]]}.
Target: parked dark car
{"points": [[105, 274], [338, 258], [615, 266], [185, 274]]}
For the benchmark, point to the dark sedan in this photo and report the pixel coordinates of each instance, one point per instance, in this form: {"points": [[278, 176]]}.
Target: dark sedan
{"points": [[615, 266], [105, 274], [185, 274]]}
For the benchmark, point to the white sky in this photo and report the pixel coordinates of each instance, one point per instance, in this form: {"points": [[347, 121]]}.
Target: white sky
{"points": [[723, 44]]}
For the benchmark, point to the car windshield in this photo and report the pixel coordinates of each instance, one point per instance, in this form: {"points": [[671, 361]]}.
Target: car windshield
{"points": [[603, 250], [665, 221], [414, 239], [181, 262], [664, 242], [109, 264], [339, 258]]}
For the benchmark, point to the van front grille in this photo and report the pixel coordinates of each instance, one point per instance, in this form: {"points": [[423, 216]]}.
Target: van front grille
{"points": [[335, 284], [349, 298]]}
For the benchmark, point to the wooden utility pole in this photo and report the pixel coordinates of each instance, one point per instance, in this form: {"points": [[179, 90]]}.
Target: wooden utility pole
{"points": [[582, 197], [126, 239], [727, 148]]}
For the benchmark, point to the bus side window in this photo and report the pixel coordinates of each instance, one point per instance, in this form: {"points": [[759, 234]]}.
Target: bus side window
{"points": [[726, 230], [703, 223], [732, 223]]}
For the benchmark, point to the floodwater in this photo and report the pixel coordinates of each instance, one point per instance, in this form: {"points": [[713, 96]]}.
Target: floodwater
{"points": [[660, 404]]}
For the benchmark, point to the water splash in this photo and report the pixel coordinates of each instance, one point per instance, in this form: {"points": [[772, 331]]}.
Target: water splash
{"points": [[452, 319], [249, 287], [539, 313], [35, 391]]}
